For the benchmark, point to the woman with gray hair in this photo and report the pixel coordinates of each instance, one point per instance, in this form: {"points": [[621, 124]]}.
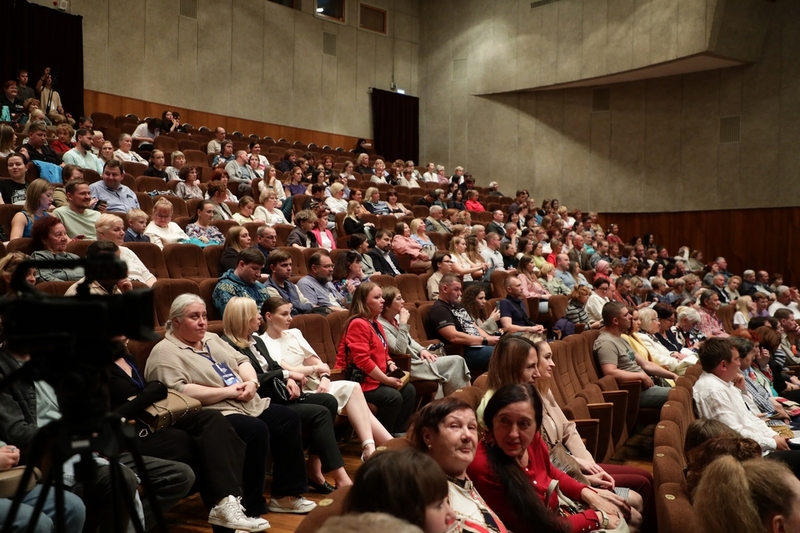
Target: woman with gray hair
{"points": [[672, 360], [111, 228], [200, 364], [124, 152]]}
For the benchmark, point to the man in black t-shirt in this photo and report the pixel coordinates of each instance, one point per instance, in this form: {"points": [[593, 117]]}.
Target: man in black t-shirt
{"points": [[449, 320]]}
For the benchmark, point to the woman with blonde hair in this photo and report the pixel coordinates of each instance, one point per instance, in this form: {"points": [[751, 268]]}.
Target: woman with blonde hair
{"points": [[462, 265], [756, 495], [246, 208], [8, 265], [317, 412], [745, 310], [550, 282], [111, 228], [352, 222], [161, 230], [404, 243], [7, 140], [39, 197], [336, 202], [268, 211], [650, 325], [106, 152]]}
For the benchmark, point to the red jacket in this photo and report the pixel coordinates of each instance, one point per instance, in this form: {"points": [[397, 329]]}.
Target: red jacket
{"points": [[361, 344], [540, 473]]}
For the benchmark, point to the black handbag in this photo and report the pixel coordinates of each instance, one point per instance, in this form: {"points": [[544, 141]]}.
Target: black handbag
{"points": [[353, 373], [278, 392]]}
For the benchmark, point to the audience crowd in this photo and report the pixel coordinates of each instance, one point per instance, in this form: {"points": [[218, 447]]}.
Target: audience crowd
{"points": [[264, 389]]}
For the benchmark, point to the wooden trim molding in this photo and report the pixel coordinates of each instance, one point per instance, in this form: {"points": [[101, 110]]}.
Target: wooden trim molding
{"points": [[94, 101]]}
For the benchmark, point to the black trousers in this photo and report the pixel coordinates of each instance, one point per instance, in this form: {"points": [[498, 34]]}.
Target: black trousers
{"points": [[790, 458], [317, 413], [207, 442], [170, 480], [395, 407], [278, 427]]}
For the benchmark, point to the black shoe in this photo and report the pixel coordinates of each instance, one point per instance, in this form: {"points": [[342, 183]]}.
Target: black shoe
{"points": [[322, 488]]}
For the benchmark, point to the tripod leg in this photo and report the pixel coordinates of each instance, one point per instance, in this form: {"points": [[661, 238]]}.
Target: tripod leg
{"points": [[132, 446], [119, 490], [37, 452], [37, 510]]}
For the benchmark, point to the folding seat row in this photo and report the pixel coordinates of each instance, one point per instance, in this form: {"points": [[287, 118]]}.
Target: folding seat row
{"points": [[673, 506]]}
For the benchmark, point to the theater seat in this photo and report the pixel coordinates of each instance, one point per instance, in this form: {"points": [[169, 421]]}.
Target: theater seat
{"points": [[78, 247], [411, 288], [23, 244], [316, 331], [164, 293], [150, 183], [185, 261], [383, 280], [332, 505], [179, 208], [212, 255], [674, 510], [152, 257], [55, 288], [298, 260], [336, 322], [668, 466], [206, 292]]}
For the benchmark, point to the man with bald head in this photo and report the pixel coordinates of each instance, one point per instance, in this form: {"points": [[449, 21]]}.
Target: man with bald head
{"points": [[562, 271]]}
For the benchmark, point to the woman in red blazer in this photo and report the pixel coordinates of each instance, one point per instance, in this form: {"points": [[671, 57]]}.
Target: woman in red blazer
{"points": [[364, 344]]}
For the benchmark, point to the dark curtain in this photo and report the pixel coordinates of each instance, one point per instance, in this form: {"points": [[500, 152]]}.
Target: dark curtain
{"points": [[34, 37], [395, 121]]}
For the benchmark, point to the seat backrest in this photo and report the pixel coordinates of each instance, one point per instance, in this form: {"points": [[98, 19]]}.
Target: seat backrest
{"points": [[79, 247], [667, 433], [23, 244], [206, 292], [317, 332], [7, 212], [212, 255], [185, 261], [668, 465], [684, 396], [415, 326], [166, 290], [224, 225], [563, 377], [424, 309], [674, 510], [152, 257], [557, 304], [725, 314], [411, 288], [675, 411], [497, 279], [133, 168], [582, 359], [298, 261], [470, 395], [145, 202], [179, 208], [55, 288], [383, 280], [336, 322], [282, 232]]}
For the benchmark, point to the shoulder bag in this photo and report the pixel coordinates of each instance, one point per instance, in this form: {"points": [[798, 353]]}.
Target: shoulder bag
{"points": [[166, 412], [569, 507]]}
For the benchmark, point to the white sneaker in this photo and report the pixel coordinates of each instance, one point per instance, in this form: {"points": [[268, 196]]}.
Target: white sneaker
{"points": [[230, 514], [299, 505]]}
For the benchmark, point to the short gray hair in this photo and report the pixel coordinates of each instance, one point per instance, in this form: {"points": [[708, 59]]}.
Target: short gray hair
{"points": [[689, 313], [435, 209], [179, 305]]}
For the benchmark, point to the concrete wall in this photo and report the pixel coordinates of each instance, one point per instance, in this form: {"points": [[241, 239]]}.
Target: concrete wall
{"points": [[657, 149], [249, 58]]}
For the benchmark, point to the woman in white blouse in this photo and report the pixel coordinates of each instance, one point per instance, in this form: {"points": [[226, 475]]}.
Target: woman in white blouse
{"points": [[336, 202], [111, 228], [124, 153], [162, 230], [268, 211], [294, 354]]}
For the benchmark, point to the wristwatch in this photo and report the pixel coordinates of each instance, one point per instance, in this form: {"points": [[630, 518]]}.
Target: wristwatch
{"points": [[485, 342]]}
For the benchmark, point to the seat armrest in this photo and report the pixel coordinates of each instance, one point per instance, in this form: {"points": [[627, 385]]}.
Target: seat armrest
{"points": [[619, 430], [634, 389], [403, 361], [604, 413], [589, 430]]}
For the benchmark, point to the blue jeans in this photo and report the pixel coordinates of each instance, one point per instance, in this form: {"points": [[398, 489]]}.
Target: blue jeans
{"points": [[74, 512], [654, 396], [477, 358]]}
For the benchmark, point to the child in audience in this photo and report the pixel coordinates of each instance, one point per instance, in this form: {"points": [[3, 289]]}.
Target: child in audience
{"points": [[137, 222]]}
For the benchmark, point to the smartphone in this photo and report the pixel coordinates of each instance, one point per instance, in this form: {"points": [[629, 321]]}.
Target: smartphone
{"points": [[497, 305], [101, 203]]}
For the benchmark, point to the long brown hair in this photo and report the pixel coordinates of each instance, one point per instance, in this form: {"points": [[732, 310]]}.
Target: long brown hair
{"points": [[508, 360], [359, 308]]}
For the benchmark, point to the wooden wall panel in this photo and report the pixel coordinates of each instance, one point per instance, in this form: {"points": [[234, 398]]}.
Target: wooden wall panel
{"points": [[120, 105], [767, 239]]}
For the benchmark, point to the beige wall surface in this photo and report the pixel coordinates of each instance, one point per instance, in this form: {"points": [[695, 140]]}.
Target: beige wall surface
{"points": [[249, 58], [657, 149]]}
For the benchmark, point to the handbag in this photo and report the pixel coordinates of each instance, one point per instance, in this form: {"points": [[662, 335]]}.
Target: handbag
{"points": [[11, 478], [164, 413], [352, 372], [569, 507], [278, 392], [564, 461]]}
